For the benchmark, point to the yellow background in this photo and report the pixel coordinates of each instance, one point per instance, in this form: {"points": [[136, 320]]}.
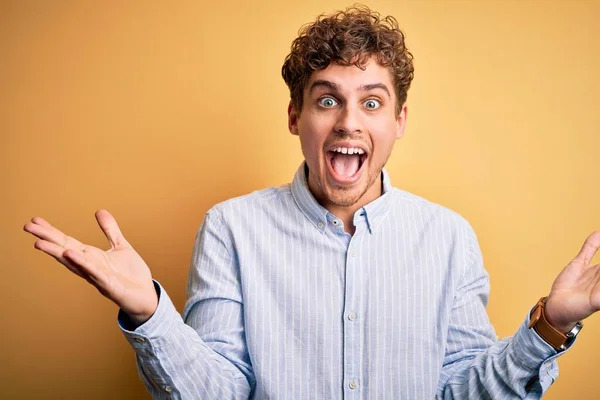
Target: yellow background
{"points": [[158, 110]]}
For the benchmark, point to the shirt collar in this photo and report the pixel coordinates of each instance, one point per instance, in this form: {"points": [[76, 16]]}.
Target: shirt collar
{"points": [[373, 213]]}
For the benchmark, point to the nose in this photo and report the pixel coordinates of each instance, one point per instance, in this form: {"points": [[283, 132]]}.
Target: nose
{"points": [[349, 120]]}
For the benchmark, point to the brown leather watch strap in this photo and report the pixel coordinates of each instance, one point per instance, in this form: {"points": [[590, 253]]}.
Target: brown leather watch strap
{"points": [[538, 321]]}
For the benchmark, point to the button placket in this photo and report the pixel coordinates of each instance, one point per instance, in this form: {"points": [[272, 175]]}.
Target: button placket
{"points": [[352, 327]]}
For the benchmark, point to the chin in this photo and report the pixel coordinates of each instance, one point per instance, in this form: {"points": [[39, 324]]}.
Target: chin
{"points": [[345, 197]]}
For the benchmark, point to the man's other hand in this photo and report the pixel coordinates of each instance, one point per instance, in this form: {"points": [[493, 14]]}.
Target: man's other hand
{"points": [[575, 294]]}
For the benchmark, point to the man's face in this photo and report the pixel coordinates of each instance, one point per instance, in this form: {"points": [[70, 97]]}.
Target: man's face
{"points": [[347, 128]]}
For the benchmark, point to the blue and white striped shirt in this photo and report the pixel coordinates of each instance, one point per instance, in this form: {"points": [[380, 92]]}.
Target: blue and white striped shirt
{"points": [[284, 304]]}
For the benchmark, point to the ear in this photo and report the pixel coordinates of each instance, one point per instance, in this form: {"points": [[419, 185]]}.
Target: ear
{"points": [[292, 119], [401, 121]]}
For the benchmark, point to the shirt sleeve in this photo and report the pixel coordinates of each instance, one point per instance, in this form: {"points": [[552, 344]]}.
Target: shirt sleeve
{"points": [[201, 355], [476, 365]]}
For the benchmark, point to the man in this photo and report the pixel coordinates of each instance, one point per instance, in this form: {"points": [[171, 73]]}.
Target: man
{"points": [[337, 285]]}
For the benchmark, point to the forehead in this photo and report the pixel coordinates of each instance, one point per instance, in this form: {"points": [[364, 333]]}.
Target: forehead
{"points": [[351, 78]]}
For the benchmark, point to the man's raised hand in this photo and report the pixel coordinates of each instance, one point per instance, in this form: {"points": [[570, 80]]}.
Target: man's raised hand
{"points": [[119, 273]]}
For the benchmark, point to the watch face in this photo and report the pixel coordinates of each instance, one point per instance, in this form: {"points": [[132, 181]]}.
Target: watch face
{"points": [[573, 332], [570, 336]]}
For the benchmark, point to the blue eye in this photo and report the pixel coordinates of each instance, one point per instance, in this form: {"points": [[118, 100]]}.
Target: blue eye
{"points": [[328, 102], [372, 104]]}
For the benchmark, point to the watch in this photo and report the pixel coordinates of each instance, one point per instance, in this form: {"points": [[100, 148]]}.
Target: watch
{"points": [[537, 320]]}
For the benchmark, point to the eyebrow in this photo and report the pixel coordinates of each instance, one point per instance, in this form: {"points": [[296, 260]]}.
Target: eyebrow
{"points": [[322, 82], [335, 87], [367, 88]]}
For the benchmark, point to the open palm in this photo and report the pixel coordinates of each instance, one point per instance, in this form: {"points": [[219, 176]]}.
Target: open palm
{"points": [[119, 273]]}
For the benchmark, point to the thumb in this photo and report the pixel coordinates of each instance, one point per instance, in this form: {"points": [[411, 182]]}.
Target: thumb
{"points": [[110, 228], [589, 248]]}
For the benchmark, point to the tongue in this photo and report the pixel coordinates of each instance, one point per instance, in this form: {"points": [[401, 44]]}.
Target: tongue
{"points": [[345, 164]]}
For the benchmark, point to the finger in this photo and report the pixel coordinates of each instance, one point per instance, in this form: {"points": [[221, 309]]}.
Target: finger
{"points": [[57, 251], [49, 233], [40, 221], [589, 248], [89, 271], [110, 228]]}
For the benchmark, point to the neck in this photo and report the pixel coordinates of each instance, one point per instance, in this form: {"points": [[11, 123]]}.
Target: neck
{"points": [[343, 212]]}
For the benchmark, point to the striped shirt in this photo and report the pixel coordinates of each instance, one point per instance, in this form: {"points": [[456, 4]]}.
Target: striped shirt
{"points": [[284, 304]]}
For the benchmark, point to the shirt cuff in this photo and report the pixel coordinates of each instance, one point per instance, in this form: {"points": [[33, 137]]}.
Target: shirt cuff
{"points": [[531, 349], [156, 327]]}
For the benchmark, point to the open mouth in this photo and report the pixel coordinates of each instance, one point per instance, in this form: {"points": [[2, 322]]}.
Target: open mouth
{"points": [[345, 163]]}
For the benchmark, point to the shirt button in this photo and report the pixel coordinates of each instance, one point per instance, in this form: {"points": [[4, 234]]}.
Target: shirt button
{"points": [[168, 389], [320, 225], [352, 385], [352, 316], [140, 339], [336, 222]]}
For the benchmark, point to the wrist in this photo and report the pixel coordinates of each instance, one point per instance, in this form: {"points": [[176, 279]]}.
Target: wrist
{"points": [[139, 319], [558, 324], [538, 320], [563, 328], [143, 313]]}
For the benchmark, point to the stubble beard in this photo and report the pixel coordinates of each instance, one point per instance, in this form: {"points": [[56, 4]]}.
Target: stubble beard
{"points": [[345, 197]]}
